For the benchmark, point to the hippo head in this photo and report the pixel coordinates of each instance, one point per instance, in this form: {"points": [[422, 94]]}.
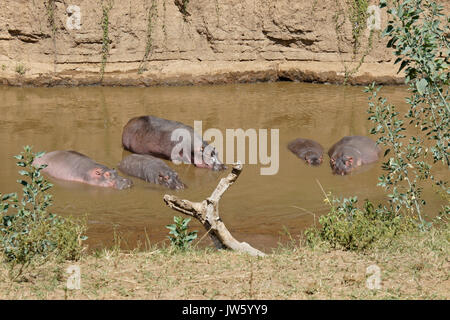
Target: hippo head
{"points": [[342, 165], [108, 178], [207, 157], [313, 158], [200, 153], [170, 180]]}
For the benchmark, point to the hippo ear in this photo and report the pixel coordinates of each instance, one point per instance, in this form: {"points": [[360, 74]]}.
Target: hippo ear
{"points": [[107, 174]]}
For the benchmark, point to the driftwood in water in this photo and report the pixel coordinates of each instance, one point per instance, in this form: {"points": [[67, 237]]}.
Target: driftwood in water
{"points": [[207, 212]]}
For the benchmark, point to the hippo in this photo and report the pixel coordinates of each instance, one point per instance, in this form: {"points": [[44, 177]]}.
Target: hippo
{"points": [[158, 137], [308, 150], [151, 169], [351, 152], [74, 166]]}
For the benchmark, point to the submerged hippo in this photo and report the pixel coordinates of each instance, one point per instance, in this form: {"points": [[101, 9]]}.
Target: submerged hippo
{"points": [[308, 150], [160, 138], [74, 166], [351, 152], [151, 169]]}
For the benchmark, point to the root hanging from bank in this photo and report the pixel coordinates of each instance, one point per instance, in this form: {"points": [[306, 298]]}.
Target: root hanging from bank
{"points": [[207, 212]]}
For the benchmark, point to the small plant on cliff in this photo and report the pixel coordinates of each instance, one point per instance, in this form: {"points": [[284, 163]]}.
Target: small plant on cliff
{"points": [[163, 26], [356, 13], [217, 12], [50, 5], [20, 69], [182, 6], [181, 238], [152, 14], [106, 7], [29, 233], [420, 44], [358, 16]]}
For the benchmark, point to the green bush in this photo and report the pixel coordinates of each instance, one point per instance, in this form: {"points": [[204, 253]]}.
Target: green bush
{"points": [[417, 32], [349, 227], [181, 238], [29, 233]]}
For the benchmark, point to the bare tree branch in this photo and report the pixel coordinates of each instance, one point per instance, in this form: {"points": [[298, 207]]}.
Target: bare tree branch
{"points": [[207, 212]]}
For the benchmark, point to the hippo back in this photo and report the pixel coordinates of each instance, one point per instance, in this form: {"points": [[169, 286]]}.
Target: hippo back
{"points": [[151, 135], [301, 146], [66, 165], [150, 169], [74, 166]]}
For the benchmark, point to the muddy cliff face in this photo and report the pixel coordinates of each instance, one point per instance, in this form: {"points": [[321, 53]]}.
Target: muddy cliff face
{"points": [[151, 42]]}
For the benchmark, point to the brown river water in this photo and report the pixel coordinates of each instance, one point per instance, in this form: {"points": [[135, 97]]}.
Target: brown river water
{"points": [[256, 209]]}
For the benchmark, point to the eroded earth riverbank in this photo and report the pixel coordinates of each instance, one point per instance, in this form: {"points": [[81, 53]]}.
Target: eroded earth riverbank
{"points": [[160, 42]]}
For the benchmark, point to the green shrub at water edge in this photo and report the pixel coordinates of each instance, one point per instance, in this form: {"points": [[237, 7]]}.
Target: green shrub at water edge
{"points": [[349, 227], [181, 238], [29, 233], [417, 31]]}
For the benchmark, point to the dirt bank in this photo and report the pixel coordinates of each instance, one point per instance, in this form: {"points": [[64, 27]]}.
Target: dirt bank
{"points": [[152, 42]]}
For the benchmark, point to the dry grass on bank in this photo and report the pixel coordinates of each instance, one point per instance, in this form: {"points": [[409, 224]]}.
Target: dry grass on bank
{"points": [[414, 267]]}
